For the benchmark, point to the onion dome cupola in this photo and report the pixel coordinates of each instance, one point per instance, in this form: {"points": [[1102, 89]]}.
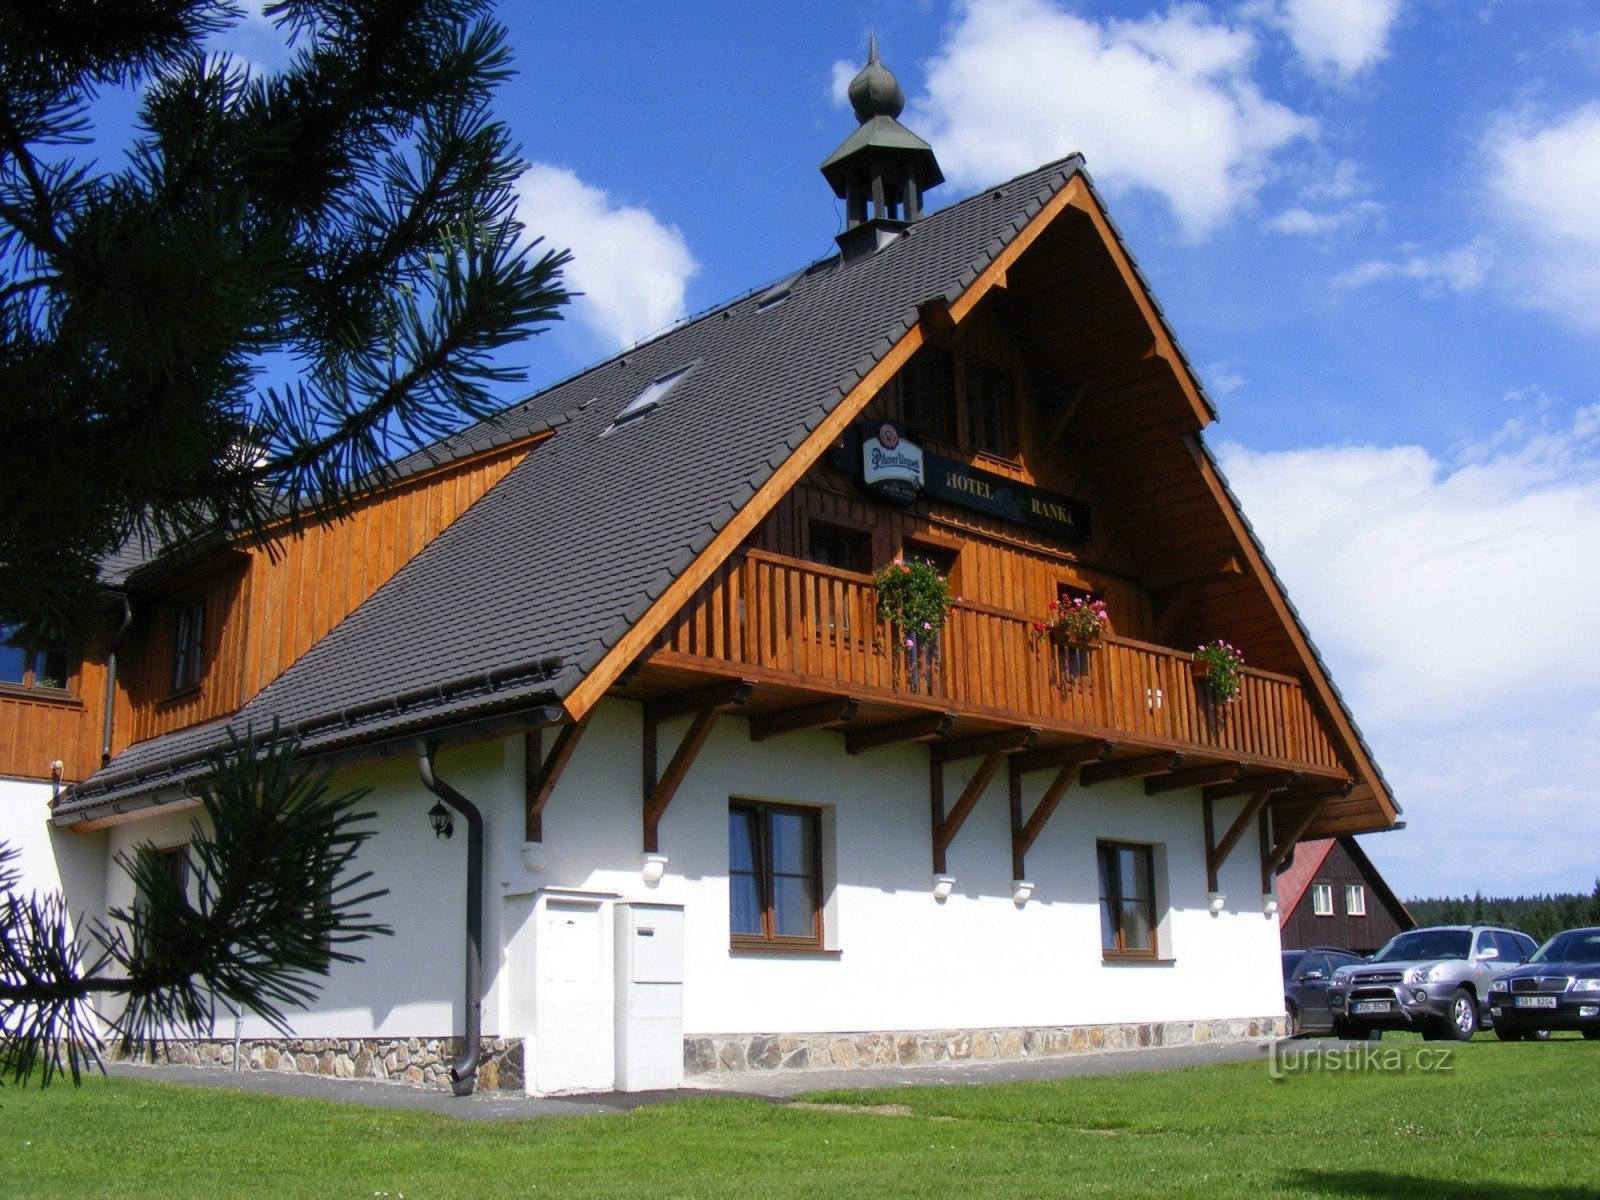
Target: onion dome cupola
{"points": [[882, 169]]}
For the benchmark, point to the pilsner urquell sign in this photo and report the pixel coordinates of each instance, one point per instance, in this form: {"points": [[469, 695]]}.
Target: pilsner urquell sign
{"points": [[892, 466]]}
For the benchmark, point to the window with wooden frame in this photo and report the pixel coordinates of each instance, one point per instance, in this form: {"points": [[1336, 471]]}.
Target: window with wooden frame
{"points": [[1127, 900], [47, 669], [928, 393], [774, 876], [837, 546], [188, 646], [1322, 899], [1355, 900], [174, 862], [991, 411]]}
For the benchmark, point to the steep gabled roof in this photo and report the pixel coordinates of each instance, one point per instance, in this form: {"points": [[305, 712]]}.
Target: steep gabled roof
{"points": [[1308, 859], [1292, 884], [542, 592], [558, 561]]}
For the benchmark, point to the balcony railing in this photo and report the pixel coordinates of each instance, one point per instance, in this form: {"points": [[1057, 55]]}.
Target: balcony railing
{"points": [[801, 623]]}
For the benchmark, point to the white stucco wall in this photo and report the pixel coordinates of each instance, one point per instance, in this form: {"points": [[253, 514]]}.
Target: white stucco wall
{"points": [[899, 959], [51, 860], [410, 984], [904, 960]]}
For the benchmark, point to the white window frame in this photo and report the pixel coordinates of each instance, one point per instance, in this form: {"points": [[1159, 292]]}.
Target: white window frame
{"points": [[1322, 899], [1355, 900]]}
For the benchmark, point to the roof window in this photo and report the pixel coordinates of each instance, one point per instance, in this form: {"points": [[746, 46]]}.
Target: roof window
{"points": [[654, 393]]}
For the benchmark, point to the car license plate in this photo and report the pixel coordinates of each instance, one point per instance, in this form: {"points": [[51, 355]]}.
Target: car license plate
{"points": [[1536, 1001], [1372, 1006]]}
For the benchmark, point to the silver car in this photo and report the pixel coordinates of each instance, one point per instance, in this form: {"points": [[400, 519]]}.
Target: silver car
{"points": [[1433, 980]]}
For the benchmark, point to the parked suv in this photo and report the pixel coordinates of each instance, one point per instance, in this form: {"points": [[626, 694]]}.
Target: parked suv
{"points": [[1435, 980]]}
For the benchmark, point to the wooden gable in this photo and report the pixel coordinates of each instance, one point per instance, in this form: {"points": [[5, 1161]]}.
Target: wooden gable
{"points": [[1109, 412]]}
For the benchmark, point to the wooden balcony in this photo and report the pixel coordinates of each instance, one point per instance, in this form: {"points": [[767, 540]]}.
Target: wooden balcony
{"points": [[798, 629]]}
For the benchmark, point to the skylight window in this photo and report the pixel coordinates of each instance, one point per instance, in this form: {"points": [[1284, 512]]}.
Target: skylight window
{"points": [[653, 394]]}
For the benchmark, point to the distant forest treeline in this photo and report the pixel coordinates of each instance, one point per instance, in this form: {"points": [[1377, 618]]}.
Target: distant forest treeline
{"points": [[1536, 916]]}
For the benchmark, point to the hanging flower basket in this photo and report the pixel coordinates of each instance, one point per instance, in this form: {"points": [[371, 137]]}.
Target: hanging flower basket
{"points": [[915, 599], [1072, 621], [1220, 668]]}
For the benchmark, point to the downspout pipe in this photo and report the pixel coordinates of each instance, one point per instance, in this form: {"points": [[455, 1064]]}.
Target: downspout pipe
{"points": [[111, 681], [464, 1074]]}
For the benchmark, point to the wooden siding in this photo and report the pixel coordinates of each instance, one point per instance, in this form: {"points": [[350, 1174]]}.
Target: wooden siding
{"points": [[1360, 935], [264, 612], [766, 616], [265, 605]]}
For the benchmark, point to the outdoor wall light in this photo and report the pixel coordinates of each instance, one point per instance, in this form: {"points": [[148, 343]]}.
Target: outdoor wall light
{"points": [[1021, 889], [1217, 901], [943, 885], [652, 867], [1269, 904], [439, 818]]}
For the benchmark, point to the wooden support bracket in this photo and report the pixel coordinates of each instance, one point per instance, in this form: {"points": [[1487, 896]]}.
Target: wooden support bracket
{"points": [[1007, 741], [683, 704], [840, 711], [1172, 611], [1131, 768], [660, 789], [1063, 756], [1193, 777], [1286, 843], [541, 773], [1067, 762], [1249, 785], [913, 729], [1063, 417], [1217, 852], [945, 827]]}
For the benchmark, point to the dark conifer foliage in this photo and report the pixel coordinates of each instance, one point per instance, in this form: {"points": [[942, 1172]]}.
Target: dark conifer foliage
{"points": [[288, 279], [1539, 917], [261, 901]]}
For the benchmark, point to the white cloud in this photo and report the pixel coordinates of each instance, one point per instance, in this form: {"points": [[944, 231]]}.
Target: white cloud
{"points": [[1302, 221], [1461, 270], [839, 83], [1165, 104], [1544, 179], [1455, 605], [1339, 38], [255, 40], [1224, 377], [631, 269]]}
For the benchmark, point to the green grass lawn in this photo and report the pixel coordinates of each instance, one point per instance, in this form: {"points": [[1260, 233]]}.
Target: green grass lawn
{"points": [[1508, 1122]]}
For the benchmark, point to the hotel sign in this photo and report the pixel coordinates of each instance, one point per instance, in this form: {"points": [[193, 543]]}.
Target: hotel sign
{"points": [[891, 466]]}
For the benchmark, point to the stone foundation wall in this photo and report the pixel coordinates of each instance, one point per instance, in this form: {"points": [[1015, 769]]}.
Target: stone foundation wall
{"points": [[714, 1053], [420, 1061]]}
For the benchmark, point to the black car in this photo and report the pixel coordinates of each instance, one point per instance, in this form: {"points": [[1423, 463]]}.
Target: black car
{"points": [[1306, 974], [1558, 988]]}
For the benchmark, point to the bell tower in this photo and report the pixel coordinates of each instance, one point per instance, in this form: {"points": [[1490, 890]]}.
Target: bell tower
{"points": [[882, 169]]}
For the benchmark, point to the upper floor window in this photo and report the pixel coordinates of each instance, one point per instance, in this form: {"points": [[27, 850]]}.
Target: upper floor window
{"points": [[774, 875], [1355, 900], [1322, 899], [188, 646], [836, 546], [26, 666], [928, 392], [990, 411], [1127, 899]]}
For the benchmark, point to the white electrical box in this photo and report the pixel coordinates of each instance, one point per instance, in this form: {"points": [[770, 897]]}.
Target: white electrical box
{"points": [[649, 979]]}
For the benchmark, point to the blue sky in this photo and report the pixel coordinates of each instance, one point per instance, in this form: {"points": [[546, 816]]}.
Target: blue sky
{"points": [[1371, 223]]}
